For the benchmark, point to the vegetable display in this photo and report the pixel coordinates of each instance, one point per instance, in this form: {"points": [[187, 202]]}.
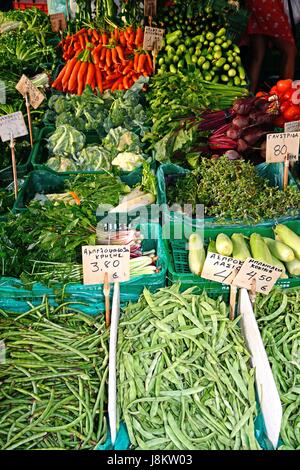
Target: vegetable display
{"points": [[278, 319], [232, 190], [184, 375], [102, 60], [282, 252], [53, 380]]}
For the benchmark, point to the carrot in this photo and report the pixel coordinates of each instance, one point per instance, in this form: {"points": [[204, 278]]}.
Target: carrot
{"points": [[95, 54], [114, 55], [81, 77], [96, 35], [128, 68], [116, 34], [142, 59], [108, 57], [136, 61], [113, 76], [149, 62], [131, 38], [122, 39], [81, 31], [139, 36], [86, 38], [81, 40], [116, 84], [90, 74], [69, 69], [104, 39], [99, 79], [120, 53], [93, 84], [103, 54], [60, 76], [71, 85], [126, 82], [135, 77]]}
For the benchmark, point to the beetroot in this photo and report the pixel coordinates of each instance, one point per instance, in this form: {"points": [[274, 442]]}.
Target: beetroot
{"points": [[242, 146], [232, 155], [233, 133], [243, 106], [241, 121]]}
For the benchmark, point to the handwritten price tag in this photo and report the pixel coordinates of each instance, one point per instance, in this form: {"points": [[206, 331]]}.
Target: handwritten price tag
{"points": [[293, 126], [100, 259], [25, 86], [58, 22], [283, 146], [150, 7], [264, 275], [12, 125], [153, 38], [220, 268]]}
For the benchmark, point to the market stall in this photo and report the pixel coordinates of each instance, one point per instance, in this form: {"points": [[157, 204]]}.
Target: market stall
{"points": [[149, 232]]}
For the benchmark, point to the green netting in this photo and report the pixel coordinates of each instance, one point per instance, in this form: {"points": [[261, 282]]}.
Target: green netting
{"points": [[40, 156], [178, 270], [168, 172]]}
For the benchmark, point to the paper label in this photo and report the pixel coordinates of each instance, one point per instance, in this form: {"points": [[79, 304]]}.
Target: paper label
{"points": [[263, 274], [12, 124], [220, 268], [283, 146], [58, 22], [150, 7], [153, 38], [100, 259], [25, 86], [293, 126]]}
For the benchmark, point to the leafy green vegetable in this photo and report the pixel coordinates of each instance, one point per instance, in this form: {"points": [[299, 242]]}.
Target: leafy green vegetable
{"points": [[66, 141], [94, 157], [233, 190]]}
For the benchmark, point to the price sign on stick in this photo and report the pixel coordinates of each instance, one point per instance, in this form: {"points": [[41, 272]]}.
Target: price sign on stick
{"points": [[220, 268], [256, 273], [100, 259], [12, 126], [150, 7], [25, 86], [153, 38], [293, 126], [282, 147], [58, 22]]}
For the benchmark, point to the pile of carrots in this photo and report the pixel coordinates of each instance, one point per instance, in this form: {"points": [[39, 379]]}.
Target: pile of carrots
{"points": [[103, 60]]}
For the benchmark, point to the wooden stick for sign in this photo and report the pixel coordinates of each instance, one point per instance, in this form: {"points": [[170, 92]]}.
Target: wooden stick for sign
{"points": [[233, 292], [252, 292], [29, 118], [150, 21], [154, 54], [14, 165], [106, 289], [286, 173]]}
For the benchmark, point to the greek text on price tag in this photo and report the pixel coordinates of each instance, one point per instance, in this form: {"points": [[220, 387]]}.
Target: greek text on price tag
{"points": [[100, 259], [150, 7], [264, 275], [12, 125], [25, 86], [283, 146], [293, 126], [220, 268], [58, 22], [153, 38]]}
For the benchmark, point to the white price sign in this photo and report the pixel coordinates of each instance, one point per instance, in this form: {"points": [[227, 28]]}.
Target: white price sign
{"points": [[220, 268], [256, 273], [282, 147], [12, 125], [25, 86], [100, 259], [153, 38], [293, 126]]}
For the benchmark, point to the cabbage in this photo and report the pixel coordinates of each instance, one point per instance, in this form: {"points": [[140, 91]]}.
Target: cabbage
{"points": [[94, 157], [128, 161], [66, 141], [121, 140], [68, 118], [61, 164]]}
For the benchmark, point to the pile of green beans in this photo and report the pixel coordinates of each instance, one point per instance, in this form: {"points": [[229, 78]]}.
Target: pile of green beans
{"points": [[278, 317], [52, 380], [184, 375]]}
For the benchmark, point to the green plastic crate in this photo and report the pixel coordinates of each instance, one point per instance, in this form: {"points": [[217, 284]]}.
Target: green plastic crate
{"points": [[39, 157], [166, 172], [178, 270]]}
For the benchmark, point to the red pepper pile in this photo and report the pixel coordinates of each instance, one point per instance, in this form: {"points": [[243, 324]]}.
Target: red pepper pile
{"points": [[287, 93], [103, 60]]}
